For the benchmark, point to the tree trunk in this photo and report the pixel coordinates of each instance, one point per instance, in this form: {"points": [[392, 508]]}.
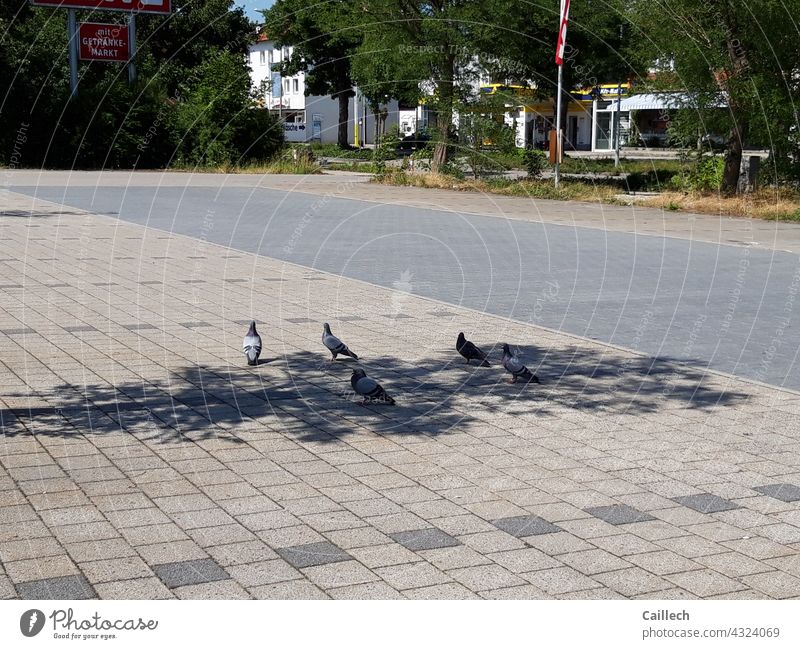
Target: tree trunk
{"points": [[344, 118], [733, 161], [444, 114]]}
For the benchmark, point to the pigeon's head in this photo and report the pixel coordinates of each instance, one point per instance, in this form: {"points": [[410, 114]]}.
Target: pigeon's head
{"points": [[358, 373], [461, 338], [252, 329], [327, 328], [506, 350]]}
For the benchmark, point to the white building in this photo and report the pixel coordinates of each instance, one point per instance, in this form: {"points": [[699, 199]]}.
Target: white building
{"points": [[309, 118]]}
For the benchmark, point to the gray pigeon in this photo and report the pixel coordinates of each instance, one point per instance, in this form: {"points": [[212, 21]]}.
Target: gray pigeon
{"points": [[469, 351], [516, 368], [252, 344], [334, 345], [369, 388]]}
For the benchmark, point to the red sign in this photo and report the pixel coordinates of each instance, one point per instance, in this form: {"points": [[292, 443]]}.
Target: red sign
{"points": [[143, 6], [101, 42]]}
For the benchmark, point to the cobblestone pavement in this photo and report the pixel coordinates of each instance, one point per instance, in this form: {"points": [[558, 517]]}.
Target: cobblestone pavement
{"points": [[141, 457]]}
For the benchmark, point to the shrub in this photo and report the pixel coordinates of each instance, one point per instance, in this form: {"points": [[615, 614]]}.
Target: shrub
{"points": [[535, 162]]}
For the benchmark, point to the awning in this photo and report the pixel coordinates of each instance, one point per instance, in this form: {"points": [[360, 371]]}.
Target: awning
{"points": [[661, 101]]}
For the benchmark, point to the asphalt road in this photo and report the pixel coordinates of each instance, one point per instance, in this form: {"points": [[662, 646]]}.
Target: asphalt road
{"points": [[730, 308]]}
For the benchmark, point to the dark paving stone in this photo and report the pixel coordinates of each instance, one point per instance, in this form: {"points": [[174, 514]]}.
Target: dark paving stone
{"points": [[273, 279], [521, 526], [315, 279], [152, 281], [104, 284], [186, 573], [137, 327], [351, 318], [193, 281], [231, 256], [87, 258], [71, 587], [56, 285], [398, 316], [788, 493], [197, 257], [194, 325], [163, 257], [80, 328], [427, 539], [442, 314], [706, 503], [124, 257], [237, 280], [618, 514], [313, 554], [16, 332], [299, 320], [10, 285]]}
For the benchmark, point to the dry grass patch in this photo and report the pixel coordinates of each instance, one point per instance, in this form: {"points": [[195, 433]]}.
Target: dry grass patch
{"points": [[781, 205]]}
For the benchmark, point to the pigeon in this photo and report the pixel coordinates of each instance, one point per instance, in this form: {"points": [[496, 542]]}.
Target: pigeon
{"points": [[252, 344], [369, 388], [517, 369], [334, 345], [470, 351]]}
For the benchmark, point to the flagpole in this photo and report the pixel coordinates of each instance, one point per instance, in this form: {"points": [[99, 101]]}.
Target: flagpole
{"points": [[558, 126]]}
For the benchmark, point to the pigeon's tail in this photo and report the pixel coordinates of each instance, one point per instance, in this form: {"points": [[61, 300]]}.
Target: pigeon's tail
{"points": [[252, 356], [347, 352], [388, 399], [485, 363], [534, 379]]}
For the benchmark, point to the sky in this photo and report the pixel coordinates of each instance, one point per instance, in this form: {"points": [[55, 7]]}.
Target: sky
{"points": [[252, 7]]}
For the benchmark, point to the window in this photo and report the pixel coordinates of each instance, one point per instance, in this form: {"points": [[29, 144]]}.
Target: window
{"points": [[269, 58], [295, 86], [286, 86], [262, 57]]}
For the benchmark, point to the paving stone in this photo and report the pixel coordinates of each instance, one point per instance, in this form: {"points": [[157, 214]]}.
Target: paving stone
{"points": [[522, 526], [69, 587], [425, 539], [313, 554], [147, 588], [706, 503], [590, 562], [263, 572], [223, 589], [485, 577], [619, 514], [705, 583], [185, 573], [122, 569], [558, 581], [631, 582], [414, 575], [788, 493], [298, 589], [343, 573], [459, 556], [374, 590], [776, 584]]}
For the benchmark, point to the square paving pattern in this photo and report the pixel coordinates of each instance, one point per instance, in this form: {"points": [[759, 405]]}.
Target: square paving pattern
{"points": [[426, 539], [187, 573], [706, 503], [70, 587], [140, 456], [788, 493], [521, 526], [619, 514], [313, 554]]}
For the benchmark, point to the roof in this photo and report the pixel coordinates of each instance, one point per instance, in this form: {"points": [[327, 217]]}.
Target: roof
{"points": [[663, 101]]}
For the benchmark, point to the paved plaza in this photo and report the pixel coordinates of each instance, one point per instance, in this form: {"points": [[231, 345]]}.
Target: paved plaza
{"points": [[142, 458]]}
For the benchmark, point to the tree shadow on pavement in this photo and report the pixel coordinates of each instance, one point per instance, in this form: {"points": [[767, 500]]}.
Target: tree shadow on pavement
{"points": [[308, 398]]}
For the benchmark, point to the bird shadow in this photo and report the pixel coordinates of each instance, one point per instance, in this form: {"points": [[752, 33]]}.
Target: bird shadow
{"points": [[305, 397]]}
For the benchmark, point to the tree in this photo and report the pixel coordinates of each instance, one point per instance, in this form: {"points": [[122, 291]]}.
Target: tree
{"points": [[743, 55], [324, 37]]}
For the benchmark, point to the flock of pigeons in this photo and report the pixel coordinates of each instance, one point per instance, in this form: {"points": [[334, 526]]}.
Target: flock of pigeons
{"points": [[369, 389]]}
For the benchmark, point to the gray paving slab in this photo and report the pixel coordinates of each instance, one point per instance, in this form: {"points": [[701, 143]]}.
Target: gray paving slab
{"points": [[706, 503], [185, 573], [619, 514], [522, 526], [69, 587], [425, 539], [313, 554], [788, 493]]}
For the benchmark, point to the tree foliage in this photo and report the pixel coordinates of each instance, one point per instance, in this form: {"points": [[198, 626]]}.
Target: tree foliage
{"points": [[190, 102]]}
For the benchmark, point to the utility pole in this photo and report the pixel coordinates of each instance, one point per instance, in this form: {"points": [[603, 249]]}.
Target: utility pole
{"points": [[72, 31], [560, 44], [617, 122], [131, 49]]}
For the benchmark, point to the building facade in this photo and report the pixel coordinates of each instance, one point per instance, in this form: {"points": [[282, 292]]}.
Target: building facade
{"points": [[310, 118]]}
